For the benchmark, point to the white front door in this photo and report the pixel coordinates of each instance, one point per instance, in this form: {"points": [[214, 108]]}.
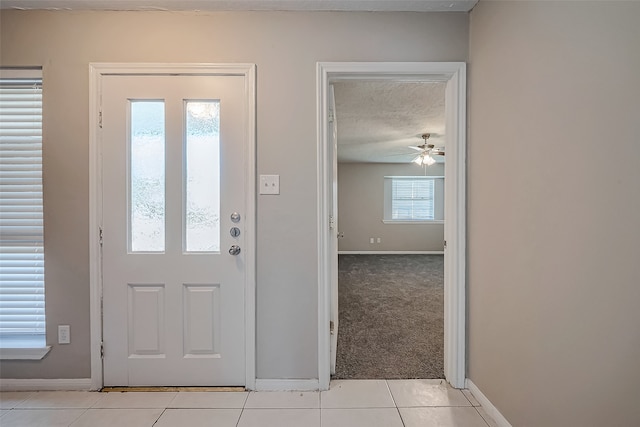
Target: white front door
{"points": [[173, 229]]}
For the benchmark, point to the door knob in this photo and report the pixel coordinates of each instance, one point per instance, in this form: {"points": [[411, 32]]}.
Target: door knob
{"points": [[234, 250]]}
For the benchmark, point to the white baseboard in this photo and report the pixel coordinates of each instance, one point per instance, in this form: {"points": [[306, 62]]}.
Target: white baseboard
{"points": [[390, 252], [10, 384], [287, 385], [491, 410]]}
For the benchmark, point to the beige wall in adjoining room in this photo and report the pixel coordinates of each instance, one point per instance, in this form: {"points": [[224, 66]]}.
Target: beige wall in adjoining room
{"points": [[553, 209], [361, 210], [285, 46]]}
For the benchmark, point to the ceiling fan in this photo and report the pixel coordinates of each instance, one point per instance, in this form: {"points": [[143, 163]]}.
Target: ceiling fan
{"points": [[427, 151]]}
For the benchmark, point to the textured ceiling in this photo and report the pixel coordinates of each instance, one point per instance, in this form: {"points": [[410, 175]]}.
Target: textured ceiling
{"points": [[346, 5], [377, 121]]}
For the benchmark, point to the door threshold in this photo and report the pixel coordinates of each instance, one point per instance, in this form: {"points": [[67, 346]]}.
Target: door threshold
{"points": [[171, 388]]}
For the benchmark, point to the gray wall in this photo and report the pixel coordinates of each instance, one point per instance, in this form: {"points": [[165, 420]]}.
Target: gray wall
{"points": [[361, 209], [285, 47], [553, 209]]}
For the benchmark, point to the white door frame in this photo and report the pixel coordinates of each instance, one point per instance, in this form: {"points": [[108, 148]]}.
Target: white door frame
{"points": [[96, 71], [454, 73]]}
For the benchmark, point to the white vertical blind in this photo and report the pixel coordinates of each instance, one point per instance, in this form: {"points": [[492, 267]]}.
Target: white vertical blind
{"points": [[412, 199], [22, 314]]}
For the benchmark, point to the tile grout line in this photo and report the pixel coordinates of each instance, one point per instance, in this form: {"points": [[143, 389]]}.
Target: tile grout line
{"points": [[320, 393], [170, 402], [160, 416], [244, 405], [483, 418], [394, 402], [475, 407], [240, 417], [81, 415], [76, 420], [101, 396], [465, 396]]}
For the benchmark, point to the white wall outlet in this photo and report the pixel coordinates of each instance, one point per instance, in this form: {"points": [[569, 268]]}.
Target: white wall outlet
{"points": [[269, 184], [379, 240], [64, 334], [371, 240]]}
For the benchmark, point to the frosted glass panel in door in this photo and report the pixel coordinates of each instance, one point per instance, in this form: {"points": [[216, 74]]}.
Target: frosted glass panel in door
{"points": [[202, 204], [147, 177]]}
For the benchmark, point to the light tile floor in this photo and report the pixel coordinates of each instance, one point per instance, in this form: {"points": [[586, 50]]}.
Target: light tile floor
{"points": [[348, 403]]}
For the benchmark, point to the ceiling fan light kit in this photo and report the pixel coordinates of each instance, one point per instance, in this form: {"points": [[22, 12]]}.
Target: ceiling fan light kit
{"points": [[425, 158]]}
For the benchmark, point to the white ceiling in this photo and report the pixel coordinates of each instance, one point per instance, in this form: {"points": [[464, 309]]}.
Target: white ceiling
{"points": [[377, 121], [308, 5]]}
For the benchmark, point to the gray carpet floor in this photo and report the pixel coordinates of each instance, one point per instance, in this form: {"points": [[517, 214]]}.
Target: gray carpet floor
{"points": [[391, 310]]}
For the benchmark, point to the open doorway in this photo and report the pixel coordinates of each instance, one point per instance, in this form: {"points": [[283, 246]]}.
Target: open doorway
{"points": [[391, 150], [454, 76]]}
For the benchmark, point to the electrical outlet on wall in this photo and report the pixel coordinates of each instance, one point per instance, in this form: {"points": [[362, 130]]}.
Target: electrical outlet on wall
{"points": [[379, 240], [269, 184], [371, 240]]}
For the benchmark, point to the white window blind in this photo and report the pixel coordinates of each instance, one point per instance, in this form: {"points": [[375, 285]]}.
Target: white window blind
{"points": [[412, 199], [22, 316]]}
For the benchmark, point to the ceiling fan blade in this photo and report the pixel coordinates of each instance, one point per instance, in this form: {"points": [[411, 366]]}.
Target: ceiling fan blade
{"points": [[411, 153], [416, 147]]}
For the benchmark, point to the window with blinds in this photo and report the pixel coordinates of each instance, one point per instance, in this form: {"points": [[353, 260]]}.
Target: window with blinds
{"points": [[412, 199], [22, 315]]}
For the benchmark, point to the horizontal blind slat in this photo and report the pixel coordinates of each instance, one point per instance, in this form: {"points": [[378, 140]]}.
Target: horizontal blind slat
{"points": [[20, 189], [7, 215], [26, 164], [20, 313], [36, 325], [21, 262], [30, 110], [20, 101], [20, 132], [25, 145], [29, 195], [20, 226], [21, 124], [35, 303], [24, 256], [30, 291], [22, 252]]}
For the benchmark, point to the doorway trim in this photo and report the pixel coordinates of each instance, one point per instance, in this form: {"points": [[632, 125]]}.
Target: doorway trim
{"points": [[454, 74], [96, 71]]}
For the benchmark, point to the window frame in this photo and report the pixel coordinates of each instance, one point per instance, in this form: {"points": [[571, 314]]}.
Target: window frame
{"points": [[28, 344], [438, 200]]}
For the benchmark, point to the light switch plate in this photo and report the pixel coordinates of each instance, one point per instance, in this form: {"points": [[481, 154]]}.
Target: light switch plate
{"points": [[64, 334], [269, 184]]}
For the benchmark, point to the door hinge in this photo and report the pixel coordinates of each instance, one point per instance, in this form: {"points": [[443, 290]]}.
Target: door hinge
{"points": [[331, 327], [100, 236], [102, 350], [445, 244], [332, 222], [331, 116], [100, 119]]}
